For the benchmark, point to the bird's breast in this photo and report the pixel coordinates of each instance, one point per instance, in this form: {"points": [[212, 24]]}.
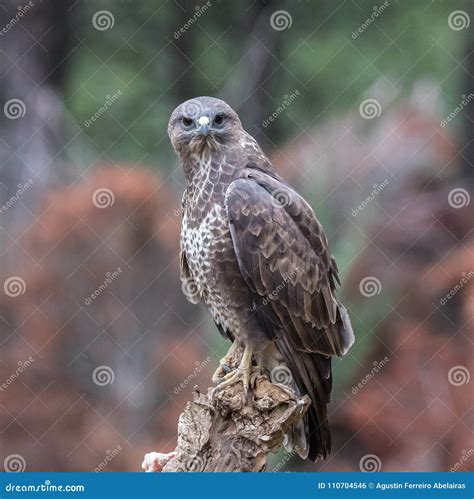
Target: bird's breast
{"points": [[202, 240], [212, 263]]}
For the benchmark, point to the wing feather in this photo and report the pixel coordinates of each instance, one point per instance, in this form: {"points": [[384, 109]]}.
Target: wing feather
{"points": [[283, 255]]}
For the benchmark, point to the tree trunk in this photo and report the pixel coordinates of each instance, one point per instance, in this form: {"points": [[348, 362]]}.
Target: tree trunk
{"points": [[229, 431]]}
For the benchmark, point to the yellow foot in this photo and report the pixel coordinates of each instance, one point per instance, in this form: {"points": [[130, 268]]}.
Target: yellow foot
{"points": [[223, 369], [234, 377], [242, 373], [226, 364]]}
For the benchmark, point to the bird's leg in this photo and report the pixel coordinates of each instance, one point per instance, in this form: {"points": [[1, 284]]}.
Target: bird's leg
{"points": [[242, 373], [225, 364]]}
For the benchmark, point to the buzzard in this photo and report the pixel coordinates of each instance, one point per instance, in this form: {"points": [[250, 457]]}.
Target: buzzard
{"points": [[254, 252]]}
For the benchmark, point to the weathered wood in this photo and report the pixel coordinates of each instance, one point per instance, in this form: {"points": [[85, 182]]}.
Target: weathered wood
{"points": [[229, 431]]}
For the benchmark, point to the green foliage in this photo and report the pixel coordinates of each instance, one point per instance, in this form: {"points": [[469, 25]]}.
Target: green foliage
{"points": [[317, 55]]}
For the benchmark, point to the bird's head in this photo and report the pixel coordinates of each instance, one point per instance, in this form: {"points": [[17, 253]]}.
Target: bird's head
{"points": [[202, 124]]}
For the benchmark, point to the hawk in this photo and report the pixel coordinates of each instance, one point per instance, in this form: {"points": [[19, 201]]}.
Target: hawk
{"points": [[254, 252]]}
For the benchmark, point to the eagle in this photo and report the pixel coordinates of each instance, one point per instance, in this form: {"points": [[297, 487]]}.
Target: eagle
{"points": [[253, 251]]}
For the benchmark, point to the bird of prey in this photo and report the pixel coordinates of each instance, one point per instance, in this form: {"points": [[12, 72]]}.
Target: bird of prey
{"points": [[254, 252]]}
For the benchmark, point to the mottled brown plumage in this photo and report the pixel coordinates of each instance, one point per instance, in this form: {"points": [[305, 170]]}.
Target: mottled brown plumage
{"points": [[253, 251]]}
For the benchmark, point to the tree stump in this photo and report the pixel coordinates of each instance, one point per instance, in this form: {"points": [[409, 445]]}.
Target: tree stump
{"points": [[225, 430]]}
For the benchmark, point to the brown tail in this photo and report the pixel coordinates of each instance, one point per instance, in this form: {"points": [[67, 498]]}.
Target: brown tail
{"points": [[312, 374]]}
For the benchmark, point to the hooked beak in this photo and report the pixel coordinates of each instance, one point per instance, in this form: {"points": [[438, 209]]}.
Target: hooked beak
{"points": [[204, 130], [203, 125]]}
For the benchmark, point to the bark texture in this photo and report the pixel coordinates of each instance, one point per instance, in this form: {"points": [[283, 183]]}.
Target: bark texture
{"points": [[229, 431]]}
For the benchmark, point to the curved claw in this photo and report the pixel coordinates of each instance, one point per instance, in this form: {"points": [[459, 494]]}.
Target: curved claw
{"points": [[220, 373], [225, 364], [227, 368], [240, 374]]}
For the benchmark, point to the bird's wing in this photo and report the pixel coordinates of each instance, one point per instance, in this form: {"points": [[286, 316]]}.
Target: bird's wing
{"points": [[283, 256]]}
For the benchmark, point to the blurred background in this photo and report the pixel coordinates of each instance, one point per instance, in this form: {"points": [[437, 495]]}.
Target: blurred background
{"points": [[365, 107]]}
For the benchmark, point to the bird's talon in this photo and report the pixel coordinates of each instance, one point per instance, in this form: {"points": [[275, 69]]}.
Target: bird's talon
{"points": [[239, 374], [221, 372], [225, 364], [226, 368]]}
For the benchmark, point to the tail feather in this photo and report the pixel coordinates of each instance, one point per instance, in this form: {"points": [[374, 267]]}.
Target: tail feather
{"points": [[311, 371], [312, 374]]}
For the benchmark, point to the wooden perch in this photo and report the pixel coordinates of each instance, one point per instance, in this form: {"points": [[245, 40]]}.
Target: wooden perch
{"points": [[227, 431]]}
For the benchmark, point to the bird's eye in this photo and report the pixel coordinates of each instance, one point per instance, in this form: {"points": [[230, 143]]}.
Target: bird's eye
{"points": [[219, 119], [187, 122]]}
